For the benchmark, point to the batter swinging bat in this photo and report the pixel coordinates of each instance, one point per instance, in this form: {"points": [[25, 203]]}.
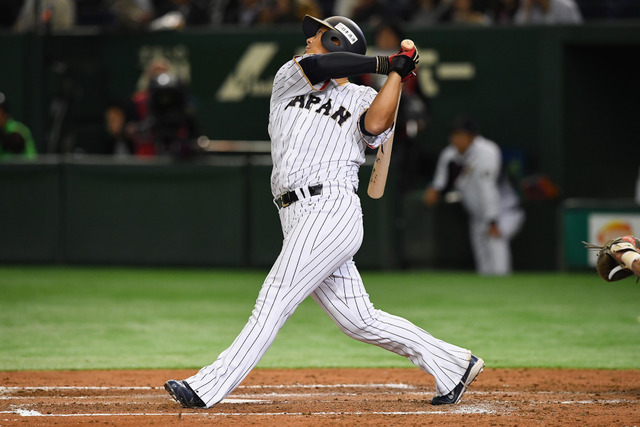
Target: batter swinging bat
{"points": [[380, 170]]}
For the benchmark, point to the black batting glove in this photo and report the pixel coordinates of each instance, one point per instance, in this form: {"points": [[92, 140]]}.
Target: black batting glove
{"points": [[403, 63], [403, 66]]}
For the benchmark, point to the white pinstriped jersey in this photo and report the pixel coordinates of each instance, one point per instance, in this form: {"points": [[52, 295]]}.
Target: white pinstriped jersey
{"points": [[315, 139], [314, 130]]}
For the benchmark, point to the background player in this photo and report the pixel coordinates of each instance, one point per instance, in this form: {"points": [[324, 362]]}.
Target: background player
{"points": [[472, 165], [319, 125]]}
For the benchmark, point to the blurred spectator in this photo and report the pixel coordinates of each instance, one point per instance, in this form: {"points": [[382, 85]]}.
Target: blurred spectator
{"points": [[237, 12], [177, 14], [15, 138], [428, 12], [171, 122], [502, 12], [53, 14], [9, 10], [413, 113], [609, 9], [471, 165], [370, 12], [399, 9], [94, 13], [288, 11], [118, 119], [344, 8], [326, 7], [164, 113], [465, 12], [132, 14], [548, 12]]}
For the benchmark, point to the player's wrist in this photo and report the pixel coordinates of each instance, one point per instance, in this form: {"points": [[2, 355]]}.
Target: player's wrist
{"points": [[628, 258], [383, 65]]}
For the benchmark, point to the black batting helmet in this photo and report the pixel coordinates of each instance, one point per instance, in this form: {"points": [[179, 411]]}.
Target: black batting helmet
{"points": [[343, 35]]}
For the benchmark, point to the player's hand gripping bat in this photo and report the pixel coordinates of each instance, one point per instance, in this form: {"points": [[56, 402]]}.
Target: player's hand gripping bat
{"points": [[380, 170]]}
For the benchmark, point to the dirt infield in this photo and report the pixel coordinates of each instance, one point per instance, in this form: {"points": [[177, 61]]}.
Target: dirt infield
{"points": [[325, 397]]}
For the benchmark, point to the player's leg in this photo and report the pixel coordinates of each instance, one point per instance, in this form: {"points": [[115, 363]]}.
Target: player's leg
{"points": [[346, 301], [479, 238], [498, 248], [319, 237], [499, 259], [510, 222]]}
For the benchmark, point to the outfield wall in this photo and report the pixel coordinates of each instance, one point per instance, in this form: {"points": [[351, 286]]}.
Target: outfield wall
{"points": [[218, 213]]}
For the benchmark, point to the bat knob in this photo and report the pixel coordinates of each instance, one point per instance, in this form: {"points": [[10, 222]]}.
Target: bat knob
{"points": [[407, 44]]}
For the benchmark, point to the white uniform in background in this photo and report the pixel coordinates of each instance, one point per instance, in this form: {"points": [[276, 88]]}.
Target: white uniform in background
{"points": [[559, 12], [487, 196]]}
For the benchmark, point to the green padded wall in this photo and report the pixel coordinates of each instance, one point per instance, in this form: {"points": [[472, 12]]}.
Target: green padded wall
{"points": [[30, 212], [176, 214]]}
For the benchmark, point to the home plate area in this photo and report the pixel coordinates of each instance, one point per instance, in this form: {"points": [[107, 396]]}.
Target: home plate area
{"points": [[325, 397]]}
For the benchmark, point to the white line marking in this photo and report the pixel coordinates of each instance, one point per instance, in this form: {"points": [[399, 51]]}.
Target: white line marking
{"points": [[46, 388], [390, 385], [276, 386], [245, 400], [26, 413], [239, 399], [591, 402]]}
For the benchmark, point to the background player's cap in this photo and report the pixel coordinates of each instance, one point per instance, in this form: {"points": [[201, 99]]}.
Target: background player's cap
{"points": [[343, 35], [463, 123]]}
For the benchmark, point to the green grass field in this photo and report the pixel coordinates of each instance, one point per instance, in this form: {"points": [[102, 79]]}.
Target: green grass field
{"points": [[115, 318]]}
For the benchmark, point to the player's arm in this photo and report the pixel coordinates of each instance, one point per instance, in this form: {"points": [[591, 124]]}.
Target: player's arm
{"points": [[631, 260], [441, 176], [336, 65], [382, 111]]}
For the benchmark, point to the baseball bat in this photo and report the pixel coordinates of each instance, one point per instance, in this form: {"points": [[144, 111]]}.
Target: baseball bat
{"points": [[378, 179]]}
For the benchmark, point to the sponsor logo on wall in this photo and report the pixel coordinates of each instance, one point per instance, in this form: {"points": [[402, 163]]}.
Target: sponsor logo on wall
{"points": [[604, 227]]}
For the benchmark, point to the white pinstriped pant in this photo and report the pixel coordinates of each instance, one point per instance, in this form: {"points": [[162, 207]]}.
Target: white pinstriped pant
{"points": [[492, 255], [322, 233]]}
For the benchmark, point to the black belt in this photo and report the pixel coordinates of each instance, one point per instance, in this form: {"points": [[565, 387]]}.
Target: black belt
{"points": [[286, 199]]}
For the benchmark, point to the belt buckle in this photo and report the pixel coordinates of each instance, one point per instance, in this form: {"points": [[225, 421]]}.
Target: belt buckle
{"points": [[283, 201]]}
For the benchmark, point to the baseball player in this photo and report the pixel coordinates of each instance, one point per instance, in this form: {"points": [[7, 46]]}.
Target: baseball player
{"points": [[472, 164], [319, 125]]}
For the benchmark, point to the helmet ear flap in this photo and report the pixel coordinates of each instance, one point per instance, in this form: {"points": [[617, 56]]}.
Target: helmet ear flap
{"points": [[333, 41]]}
